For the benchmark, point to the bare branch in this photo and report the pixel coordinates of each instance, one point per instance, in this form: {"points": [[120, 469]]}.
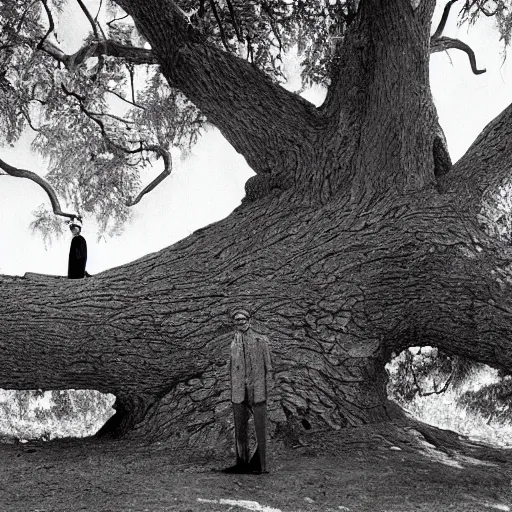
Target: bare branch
{"points": [[117, 19], [161, 177], [107, 114], [443, 21], [95, 49], [429, 393], [90, 18], [22, 173], [124, 99], [50, 21], [445, 43], [98, 12]]}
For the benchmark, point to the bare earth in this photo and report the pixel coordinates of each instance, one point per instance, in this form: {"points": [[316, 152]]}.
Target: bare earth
{"points": [[395, 469]]}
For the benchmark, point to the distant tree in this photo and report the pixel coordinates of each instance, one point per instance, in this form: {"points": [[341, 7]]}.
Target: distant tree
{"points": [[357, 237]]}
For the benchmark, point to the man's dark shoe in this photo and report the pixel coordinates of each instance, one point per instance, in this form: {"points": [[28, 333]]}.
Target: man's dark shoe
{"points": [[237, 469]]}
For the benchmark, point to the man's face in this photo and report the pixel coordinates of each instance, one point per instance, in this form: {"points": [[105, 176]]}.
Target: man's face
{"points": [[241, 322], [74, 230]]}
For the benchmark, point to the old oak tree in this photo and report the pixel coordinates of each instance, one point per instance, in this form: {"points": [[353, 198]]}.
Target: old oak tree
{"points": [[357, 236]]}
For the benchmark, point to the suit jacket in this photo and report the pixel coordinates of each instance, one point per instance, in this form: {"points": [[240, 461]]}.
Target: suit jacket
{"points": [[250, 364]]}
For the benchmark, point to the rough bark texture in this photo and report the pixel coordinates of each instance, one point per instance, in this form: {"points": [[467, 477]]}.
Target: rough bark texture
{"points": [[356, 239]]}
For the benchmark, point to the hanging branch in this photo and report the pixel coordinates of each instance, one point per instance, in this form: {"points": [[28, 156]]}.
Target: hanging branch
{"points": [[444, 19], [439, 44], [166, 156], [131, 71], [29, 120], [447, 43], [22, 173]]}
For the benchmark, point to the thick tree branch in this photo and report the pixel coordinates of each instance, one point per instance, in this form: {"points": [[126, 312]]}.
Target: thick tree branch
{"points": [[22, 173], [446, 43], [258, 117], [166, 156]]}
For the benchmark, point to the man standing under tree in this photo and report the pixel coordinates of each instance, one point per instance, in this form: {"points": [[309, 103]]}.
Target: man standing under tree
{"points": [[77, 251], [250, 368]]}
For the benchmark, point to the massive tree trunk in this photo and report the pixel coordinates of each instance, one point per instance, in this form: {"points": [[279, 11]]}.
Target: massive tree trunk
{"points": [[355, 240]]}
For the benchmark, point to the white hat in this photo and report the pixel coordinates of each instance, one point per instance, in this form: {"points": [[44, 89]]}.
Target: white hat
{"points": [[75, 222]]}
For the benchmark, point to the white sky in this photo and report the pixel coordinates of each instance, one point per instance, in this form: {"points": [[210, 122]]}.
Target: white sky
{"points": [[210, 183]]}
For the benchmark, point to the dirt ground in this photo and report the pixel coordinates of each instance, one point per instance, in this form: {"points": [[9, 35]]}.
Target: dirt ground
{"points": [[358, 470]]}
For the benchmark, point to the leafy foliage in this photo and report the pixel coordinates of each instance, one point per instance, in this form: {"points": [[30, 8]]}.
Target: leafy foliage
{"points": [[35, 414], [98, 125], [424, 371], [501, 10], [493, 401]]}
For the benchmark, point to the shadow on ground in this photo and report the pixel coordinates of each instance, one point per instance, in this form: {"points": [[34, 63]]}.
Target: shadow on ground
{"points": [[388, 469]]}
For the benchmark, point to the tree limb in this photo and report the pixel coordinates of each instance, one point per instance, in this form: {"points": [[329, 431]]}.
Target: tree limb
{"points": [[95, 49], [22, 173], [227, 89], [444, 19], [124, 99], [117, 19], [161, 177], [445, 43], [93, 23]]}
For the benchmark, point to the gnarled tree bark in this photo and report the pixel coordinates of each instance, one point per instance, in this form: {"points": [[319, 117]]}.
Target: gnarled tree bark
{"points": [[357, 239]]}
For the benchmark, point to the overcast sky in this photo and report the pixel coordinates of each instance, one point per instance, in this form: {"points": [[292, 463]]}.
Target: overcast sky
{"points": [[210, 183]]}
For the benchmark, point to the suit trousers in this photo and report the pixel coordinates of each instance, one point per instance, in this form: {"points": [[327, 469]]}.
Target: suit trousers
{"points": [[242, 413]]}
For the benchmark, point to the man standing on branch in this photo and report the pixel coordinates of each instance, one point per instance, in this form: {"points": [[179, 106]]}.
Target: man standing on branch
{"points": [[77, 251], [250, 371]]}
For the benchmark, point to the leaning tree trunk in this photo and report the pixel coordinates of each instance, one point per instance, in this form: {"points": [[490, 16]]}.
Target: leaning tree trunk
{"points": [[353, 243]]}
